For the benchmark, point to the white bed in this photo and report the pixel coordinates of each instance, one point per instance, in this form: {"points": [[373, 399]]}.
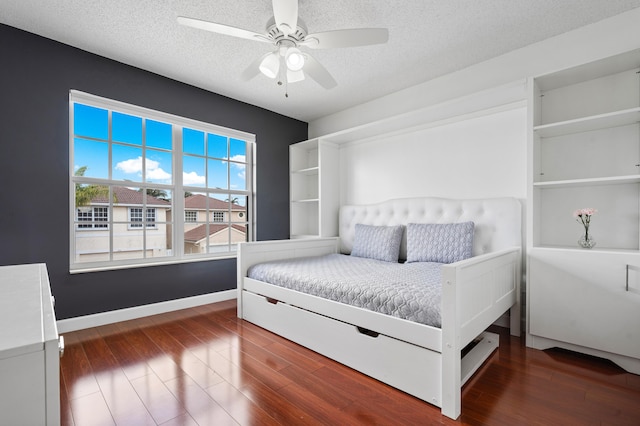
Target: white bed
{"points": [[421, 360]]}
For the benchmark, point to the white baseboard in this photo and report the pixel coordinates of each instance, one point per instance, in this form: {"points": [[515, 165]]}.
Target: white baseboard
{"points": [[103, 318]]}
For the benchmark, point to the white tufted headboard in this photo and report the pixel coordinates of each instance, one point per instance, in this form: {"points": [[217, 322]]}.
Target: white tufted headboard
{"points": [[497, 220]]}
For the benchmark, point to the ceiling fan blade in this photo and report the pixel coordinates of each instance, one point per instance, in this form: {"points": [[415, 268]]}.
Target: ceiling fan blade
{"points": [[222, 29], [254, 68], [346, 38], [285, 13], [316, 71]]}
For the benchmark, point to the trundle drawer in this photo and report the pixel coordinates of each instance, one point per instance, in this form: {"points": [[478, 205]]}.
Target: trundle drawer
{"points": [[403, 365]]}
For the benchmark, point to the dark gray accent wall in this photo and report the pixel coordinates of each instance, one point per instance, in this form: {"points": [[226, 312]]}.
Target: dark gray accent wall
{"points": [[36, 75]]}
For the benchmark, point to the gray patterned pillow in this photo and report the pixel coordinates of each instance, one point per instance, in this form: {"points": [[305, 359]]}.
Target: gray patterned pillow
{"points": [[439, 242], [377, 242]]}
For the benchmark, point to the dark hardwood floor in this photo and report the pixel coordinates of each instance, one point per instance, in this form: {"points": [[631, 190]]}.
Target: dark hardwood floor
{"points": [[203, 366]]}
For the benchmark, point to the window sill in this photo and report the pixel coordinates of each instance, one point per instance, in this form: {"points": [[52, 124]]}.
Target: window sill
{"points": [[82, 270]]}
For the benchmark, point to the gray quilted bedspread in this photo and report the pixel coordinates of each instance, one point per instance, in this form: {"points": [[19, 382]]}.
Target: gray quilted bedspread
{"points": [[411, 291]]}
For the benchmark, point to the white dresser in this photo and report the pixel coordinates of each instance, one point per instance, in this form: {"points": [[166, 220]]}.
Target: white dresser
{"points": [[29, 348]]}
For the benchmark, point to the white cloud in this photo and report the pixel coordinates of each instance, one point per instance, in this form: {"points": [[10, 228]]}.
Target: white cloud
{"points": [[158, 174], [240, 167], [192, 178], [134, 165]]}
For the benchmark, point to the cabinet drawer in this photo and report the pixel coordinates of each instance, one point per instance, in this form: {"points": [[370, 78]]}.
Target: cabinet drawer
{"points": [[582, 297]]}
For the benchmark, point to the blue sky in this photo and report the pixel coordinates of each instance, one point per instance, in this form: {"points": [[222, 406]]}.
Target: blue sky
{"points": [[204, 154]]}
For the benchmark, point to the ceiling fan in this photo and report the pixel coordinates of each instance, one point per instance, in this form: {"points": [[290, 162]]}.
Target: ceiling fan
{"points": [[287, 63]]}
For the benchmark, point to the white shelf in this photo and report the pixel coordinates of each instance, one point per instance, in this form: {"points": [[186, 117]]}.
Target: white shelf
{"points": [[307, 200], [571, 183], [308, 171], [587, 124], [576, 248]]}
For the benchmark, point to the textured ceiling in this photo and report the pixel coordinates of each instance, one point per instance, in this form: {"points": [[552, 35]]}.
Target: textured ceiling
{"points": [[427, 38]]}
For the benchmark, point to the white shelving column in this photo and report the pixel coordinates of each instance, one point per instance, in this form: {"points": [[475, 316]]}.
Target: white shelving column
{"points": [[585, 152], [314, 189]]}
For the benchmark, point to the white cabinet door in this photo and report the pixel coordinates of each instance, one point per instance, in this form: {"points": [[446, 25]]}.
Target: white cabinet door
{"points": [[585, 298]]}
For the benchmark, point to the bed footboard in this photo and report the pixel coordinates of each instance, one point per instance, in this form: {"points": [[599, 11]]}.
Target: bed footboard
{"points": [[475, 293]]}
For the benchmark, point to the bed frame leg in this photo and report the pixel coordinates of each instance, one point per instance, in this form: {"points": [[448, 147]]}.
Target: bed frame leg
{"points": [[451, 350], [451, 388]]}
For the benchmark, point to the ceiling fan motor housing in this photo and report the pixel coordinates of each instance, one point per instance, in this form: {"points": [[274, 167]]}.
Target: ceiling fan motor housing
{"points": [[296, 37]]}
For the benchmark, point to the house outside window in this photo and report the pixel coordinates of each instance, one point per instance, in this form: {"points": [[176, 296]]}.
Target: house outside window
{"points": [[153, 187], [221, 221]]}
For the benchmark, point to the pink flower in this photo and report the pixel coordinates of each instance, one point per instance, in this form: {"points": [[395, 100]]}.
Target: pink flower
{"points": [[584, 212]]}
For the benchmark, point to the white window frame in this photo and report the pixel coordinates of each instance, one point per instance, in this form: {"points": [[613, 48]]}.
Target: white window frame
{"points": [[148, 220], [92, 223], [137, 221], [217, 216], [193, 213], [177, 188]]}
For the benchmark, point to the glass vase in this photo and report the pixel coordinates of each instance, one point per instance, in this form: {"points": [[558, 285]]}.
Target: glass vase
{"points": [[587, 241]]}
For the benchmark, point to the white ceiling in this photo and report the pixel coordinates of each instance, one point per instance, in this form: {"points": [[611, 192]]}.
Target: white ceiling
{"points": [[427, 38]]}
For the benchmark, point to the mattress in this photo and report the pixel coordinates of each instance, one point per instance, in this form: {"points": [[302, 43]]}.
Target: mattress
{"points": [[411, 291]]}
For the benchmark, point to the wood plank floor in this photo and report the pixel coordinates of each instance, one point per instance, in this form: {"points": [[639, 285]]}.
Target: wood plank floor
{"points": [[203, 366]]}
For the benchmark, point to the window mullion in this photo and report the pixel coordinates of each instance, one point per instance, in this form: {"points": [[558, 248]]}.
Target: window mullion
{"points": [[143, 218], [178, 195], [111, 222]]}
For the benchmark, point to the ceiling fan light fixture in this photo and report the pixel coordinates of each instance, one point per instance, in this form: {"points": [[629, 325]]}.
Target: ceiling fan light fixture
{"points": [[294, 76], [270, 65], [294, 59]]}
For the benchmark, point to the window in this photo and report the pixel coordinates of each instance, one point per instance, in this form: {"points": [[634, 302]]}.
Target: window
{"points": [[190, 216], [160, 188], [135, 217], [92, 218], [218, 216]]}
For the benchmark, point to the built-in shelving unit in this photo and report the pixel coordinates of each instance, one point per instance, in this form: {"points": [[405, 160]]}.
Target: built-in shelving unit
{"points": [[586, 153], [584, 149], [314, 189], [314, 164]]}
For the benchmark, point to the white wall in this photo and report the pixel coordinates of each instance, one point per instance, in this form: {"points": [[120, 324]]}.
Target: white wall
{"points": [[472, 158], [605, 38]]}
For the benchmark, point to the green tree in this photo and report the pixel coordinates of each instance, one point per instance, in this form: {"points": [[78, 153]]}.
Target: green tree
{"points": [[86, 193], [157, 193]]}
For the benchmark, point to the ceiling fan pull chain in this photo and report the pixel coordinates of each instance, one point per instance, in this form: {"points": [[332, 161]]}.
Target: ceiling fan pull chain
{"points": [[286, 86]]}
